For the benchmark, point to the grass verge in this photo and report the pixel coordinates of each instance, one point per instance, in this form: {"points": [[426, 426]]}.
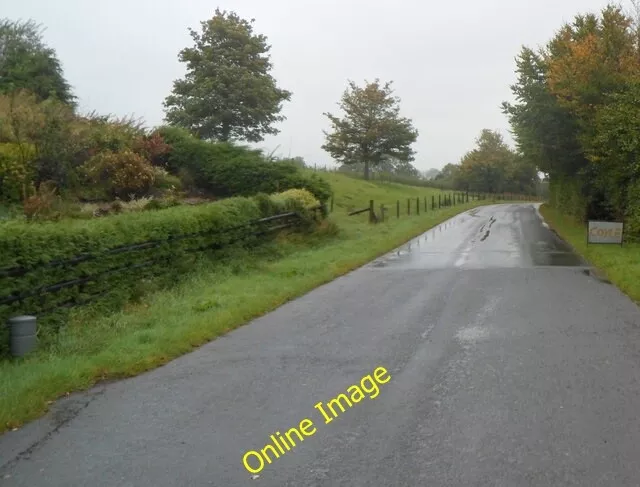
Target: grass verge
{"points": [[620, 264]]}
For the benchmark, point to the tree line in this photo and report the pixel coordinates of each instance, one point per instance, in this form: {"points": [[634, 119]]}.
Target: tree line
{"points": [[576, 116], [227, 95]]}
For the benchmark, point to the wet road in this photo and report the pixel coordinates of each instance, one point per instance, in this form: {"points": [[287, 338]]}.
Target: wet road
{"points": [[509, 363]]}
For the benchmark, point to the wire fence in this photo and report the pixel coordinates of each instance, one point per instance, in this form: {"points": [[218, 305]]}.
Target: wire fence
{"points": [[10, 275], [417, 205]]}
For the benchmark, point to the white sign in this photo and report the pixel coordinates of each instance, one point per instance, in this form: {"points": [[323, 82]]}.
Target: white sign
{"points": [[605, 232]]}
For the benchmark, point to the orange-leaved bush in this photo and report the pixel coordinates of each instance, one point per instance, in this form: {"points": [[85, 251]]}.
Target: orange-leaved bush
{"points": [[120, 174], [152, 147]]}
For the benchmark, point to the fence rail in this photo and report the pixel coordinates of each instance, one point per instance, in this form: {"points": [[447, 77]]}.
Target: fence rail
{"points": [[417, 205], [237, 233]]}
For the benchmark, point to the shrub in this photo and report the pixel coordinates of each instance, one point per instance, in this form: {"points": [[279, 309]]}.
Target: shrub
{"points": [[22, 116], [157, 204], [16, 172], [136, 204], [120, 174], [301, 201], [301, 195], [632, 218], [43, 204], [565, 195], [153, 148], [48, 126], [225, 169], [165, 182], [268, 205], [109, 134]]}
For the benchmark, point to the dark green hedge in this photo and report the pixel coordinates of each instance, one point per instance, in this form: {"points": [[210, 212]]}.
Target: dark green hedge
{"points": [[33, 247], [226, 169]]}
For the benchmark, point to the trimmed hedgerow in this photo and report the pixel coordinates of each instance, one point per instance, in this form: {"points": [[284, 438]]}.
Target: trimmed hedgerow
{"points": [[225, 169], [94, 258]]}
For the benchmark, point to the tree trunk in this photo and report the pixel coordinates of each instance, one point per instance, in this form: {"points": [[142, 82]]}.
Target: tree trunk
{"points": [[225, 132], [366, 170]]}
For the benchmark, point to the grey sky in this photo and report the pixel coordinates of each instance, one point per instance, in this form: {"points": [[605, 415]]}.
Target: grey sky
{"points": [[451, 62]]}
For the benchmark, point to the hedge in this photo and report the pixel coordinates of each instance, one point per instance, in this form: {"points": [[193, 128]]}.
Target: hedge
{"points": [[36, 255], [225, 169]]}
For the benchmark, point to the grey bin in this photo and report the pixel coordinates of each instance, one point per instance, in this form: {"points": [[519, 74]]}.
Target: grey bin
{"points": [[23, 335]]}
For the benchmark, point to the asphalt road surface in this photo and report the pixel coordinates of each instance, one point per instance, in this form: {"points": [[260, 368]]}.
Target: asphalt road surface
{"points": [[510, 364]]}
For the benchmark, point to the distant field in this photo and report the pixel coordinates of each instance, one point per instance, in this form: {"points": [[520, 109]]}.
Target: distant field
{"points": [[353, 193]]}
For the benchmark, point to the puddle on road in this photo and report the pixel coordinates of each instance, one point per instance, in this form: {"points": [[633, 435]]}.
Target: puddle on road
{"points": [[489, 237]]}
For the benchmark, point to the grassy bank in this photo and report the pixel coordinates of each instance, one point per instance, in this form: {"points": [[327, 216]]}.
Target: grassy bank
{"points": [[620, 264], [213, 300]]}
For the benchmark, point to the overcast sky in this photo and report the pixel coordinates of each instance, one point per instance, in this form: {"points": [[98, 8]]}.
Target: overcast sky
{"points": [[451, 61]]}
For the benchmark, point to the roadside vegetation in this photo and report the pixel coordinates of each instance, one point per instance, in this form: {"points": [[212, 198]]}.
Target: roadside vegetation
{"points": [[575, 115], [619, 264]]}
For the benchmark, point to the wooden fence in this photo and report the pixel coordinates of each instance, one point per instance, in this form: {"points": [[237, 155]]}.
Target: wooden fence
{"points": [[425, 204]]}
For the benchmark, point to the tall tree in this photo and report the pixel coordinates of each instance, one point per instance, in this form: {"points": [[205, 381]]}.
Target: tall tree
{"points": [[371, 132], [546, 133], [574, 112], [228, 92], [589, 59], [27, 63]]}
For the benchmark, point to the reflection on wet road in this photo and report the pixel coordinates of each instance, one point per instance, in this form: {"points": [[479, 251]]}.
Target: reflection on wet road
{"points": [[491, 236]]}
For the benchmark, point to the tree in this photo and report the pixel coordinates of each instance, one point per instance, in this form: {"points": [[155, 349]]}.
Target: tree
{"points": [[615, 150], [371, 132], [404, 168], [546, 133], [228, 92], [430, 174], [574, 116], [448, 172], [493, 167], [26, 63]]}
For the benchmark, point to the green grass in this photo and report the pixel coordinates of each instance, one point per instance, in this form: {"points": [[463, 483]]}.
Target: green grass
{"points": [[212, 300], [351, 193], [619, 264]]}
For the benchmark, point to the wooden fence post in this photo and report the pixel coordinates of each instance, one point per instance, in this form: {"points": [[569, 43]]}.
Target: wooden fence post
{"points": [[408, 206], [439, 201], [433, 202], [398, 208], [417, 205], [372, 215]]}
